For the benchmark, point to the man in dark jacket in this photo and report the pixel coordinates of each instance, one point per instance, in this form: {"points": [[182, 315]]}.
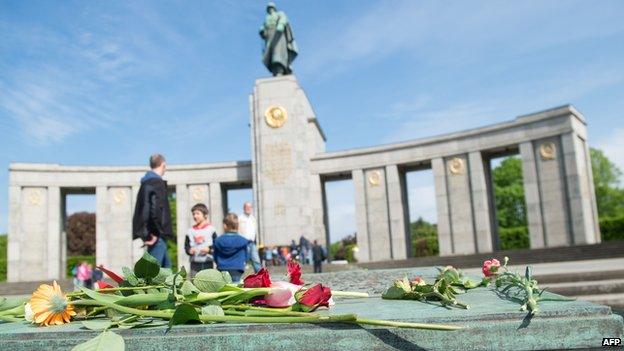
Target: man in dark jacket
{"points": [[152, 216], [318, 256]]}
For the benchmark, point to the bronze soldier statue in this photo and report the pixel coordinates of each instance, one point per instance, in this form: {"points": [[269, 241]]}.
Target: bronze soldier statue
{"points": [[280, 48]]}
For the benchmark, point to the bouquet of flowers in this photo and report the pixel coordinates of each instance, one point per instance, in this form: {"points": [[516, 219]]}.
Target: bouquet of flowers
{"points": [[149, 295]]}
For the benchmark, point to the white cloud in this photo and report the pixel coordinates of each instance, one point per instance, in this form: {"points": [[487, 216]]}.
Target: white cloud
{"points": [[613, 147]]}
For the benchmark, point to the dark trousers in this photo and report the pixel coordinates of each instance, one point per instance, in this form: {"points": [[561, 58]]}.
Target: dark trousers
{"points": [[159, 251], [200, 266], [318, 266]]}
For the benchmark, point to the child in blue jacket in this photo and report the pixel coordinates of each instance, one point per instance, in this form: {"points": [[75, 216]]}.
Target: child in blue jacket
{"points": [[230, 249]]}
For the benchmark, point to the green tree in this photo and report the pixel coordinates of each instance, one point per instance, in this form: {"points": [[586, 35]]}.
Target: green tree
{"points": [[609, 195], [81, 234], [509, 194], [424, 237]]}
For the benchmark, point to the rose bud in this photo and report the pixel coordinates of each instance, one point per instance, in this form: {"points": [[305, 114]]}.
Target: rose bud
{"points": [[310, 299], [490, 267], [262, 279], [418, 281], [294, 272]]}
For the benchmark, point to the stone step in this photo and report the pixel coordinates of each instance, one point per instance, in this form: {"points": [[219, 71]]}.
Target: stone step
{"points": [[615, 301], [596, 287], [580, 276], [611, 249]]}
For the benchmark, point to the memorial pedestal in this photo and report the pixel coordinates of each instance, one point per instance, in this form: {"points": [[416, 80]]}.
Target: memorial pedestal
{"points": [[491, 323]]}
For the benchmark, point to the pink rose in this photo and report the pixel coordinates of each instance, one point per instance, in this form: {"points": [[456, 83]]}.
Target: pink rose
{"points": [[282, 294], [490, 267], [418, 281]]}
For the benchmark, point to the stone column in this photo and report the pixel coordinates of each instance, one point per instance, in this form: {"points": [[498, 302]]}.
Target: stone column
{"points": [[28, 244], [397, 204], [532, 196], [445, 234], [317, 230], [579, 184], [184, 219], [482, 213], [285, 134], [54, 249], [14, 258], [552, 192], [216, 206], [113, 232], [363, 238]]}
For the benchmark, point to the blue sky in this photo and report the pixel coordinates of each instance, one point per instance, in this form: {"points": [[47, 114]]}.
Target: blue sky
{"points": [[110, 82]]}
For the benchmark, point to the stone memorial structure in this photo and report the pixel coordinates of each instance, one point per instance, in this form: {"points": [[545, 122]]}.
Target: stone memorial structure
{"points": [[288, 169]]}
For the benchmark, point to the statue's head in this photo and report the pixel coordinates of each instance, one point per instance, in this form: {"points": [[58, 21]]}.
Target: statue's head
{"points": [[271, 7]]}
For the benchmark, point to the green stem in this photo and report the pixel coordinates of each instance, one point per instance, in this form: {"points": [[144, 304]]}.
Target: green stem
{"points": [[406, 324], [10, 319], [282, 311], [211, 296], [19, 309], [231, 319], [123, 288], [348, 294]]}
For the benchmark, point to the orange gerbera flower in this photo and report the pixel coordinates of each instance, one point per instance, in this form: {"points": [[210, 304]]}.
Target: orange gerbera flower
{"points": [[49, 305]]}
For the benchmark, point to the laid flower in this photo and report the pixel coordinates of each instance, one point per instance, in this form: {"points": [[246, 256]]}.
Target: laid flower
{"points": [[100, 284], [262, 279], [49, 305], [310, 299], [294, 272], [114, 276], [418, 281], [29, 315], [490, 267], [282, 294]]}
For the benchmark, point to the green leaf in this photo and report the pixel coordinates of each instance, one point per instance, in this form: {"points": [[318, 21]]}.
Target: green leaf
{"points": [[105, 341], [212, 310], [183, 314], [9, 303], [130, 276], [227, 277], [108, 298], [188, 288], [170, 280], [97, 324], [143, 299], [163, 273], [393, 293], [147, 267], [209, 280]]}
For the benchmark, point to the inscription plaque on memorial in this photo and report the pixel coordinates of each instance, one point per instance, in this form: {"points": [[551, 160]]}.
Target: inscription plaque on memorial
{"points": [[278, 158]]}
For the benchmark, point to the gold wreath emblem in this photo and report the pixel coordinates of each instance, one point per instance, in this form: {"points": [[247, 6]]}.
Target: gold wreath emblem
{"points": [[548, 151], [34, 197], [198, 194], [456, 165], [119, 196], [374, 178], [275, 116]]}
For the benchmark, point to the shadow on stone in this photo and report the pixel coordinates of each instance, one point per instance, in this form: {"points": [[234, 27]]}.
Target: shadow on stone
{"points": [[386, 336]]}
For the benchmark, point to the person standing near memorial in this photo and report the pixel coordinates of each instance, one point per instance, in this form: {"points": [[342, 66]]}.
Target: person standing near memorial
{"points": [[199, 240], [247, 227], [152, 216], [230, 249], [318, 256]]}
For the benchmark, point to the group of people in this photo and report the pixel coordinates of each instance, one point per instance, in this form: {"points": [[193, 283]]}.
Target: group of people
{"points": [[305, 252], [230, 251], [84, 275]]}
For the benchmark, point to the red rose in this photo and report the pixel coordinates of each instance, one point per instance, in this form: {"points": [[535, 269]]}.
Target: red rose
{"points": [[262, 279], [294, 273], [312, 298], [490, 267]]}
